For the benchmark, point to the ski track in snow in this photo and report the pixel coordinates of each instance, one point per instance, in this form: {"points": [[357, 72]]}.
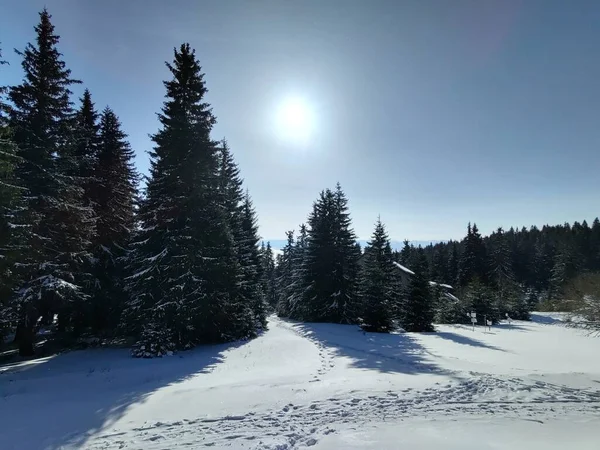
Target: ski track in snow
{"points": [[312, 387]]}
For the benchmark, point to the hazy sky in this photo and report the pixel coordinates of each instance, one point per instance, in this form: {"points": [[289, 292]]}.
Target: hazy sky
{"points": [[430, 113]]}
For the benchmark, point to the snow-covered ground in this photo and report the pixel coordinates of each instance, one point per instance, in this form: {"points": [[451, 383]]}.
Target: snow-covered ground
{"points": [[520, 385]]}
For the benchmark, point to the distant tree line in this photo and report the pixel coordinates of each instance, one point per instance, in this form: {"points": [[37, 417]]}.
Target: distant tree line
{"points": [[323, 275], [83, 254], [519, 269]]}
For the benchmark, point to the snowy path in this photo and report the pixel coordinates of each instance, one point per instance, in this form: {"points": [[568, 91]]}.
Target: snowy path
{"points": [[321, 385]]}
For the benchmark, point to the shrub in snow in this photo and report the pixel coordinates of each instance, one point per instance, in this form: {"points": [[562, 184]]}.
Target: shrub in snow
{"points": [[153, 343], [583, 293]]}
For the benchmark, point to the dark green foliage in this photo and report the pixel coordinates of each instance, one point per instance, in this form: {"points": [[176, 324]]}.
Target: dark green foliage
{"points": [[11, 200], [57, 224], [473, 260], [331, 262], [439, 265], [453, 259], [287, 297], [251, 265], [405, 254], [114, 195], [594, 249], [418, 311], [510, 297], [185, 277], [481, 300], [86, 148], [269, 276], [567, 264], [378, 292], [243, 224]]}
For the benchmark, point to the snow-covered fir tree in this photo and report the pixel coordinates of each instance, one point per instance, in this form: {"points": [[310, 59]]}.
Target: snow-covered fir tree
{"points": [[185, 275], [11, 198], [58, 222], [438, 270], [331, 262], [244, 226], [114, 194], [286, 296], [269, 276], [378, 292], [87, 146], [347, 254], [473, 260], [481, 300], [418, 312], [510, 298], [405, 255], [567, 263], [251, 264]]}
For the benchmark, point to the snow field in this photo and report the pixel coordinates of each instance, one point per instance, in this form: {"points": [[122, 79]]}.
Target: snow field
{"points": [[321, 386]]}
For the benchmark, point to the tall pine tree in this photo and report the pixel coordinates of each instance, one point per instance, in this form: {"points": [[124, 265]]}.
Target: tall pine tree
{"points": [[115, 188], [287, 295], [59, 224], [269, 276], [251, 264], [509, 296], [473, 260], [87, 146], [331, 263], [418, 312], [185, 285], [378, 292]]}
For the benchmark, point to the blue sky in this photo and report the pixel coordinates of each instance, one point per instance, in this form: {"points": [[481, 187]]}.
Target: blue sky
{"points": [[429, 113]]}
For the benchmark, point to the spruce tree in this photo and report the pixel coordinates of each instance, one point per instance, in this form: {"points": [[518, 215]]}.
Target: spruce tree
{"points": [[230, 190], [87, 146], [251, 264], [453, 260], [481, 300], [378, 292], [331, 262], [542, 261], [59, 225], [439, 265], [269, 276], [286, 302], [346, 259], [473, 260], [406, 254], [297, 286], [418, 310], [243, 224], [567, 264], [115, 187], [185, 281], [318, 300]]}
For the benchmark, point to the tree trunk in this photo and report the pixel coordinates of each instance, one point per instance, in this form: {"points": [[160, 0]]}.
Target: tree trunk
{"points": [[25, 337]]}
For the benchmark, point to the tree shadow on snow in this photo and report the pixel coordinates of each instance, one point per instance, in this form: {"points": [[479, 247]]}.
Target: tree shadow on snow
{"points": [[545, 319], [513, 326], [61, 401], [465, 340], [388, 353]]}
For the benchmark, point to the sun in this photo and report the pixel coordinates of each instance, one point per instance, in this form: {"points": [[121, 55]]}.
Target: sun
{"points": [[294, 120]]}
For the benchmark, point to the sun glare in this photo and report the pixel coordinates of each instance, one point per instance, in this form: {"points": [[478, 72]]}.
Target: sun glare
{"points": [[294, 120]]}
